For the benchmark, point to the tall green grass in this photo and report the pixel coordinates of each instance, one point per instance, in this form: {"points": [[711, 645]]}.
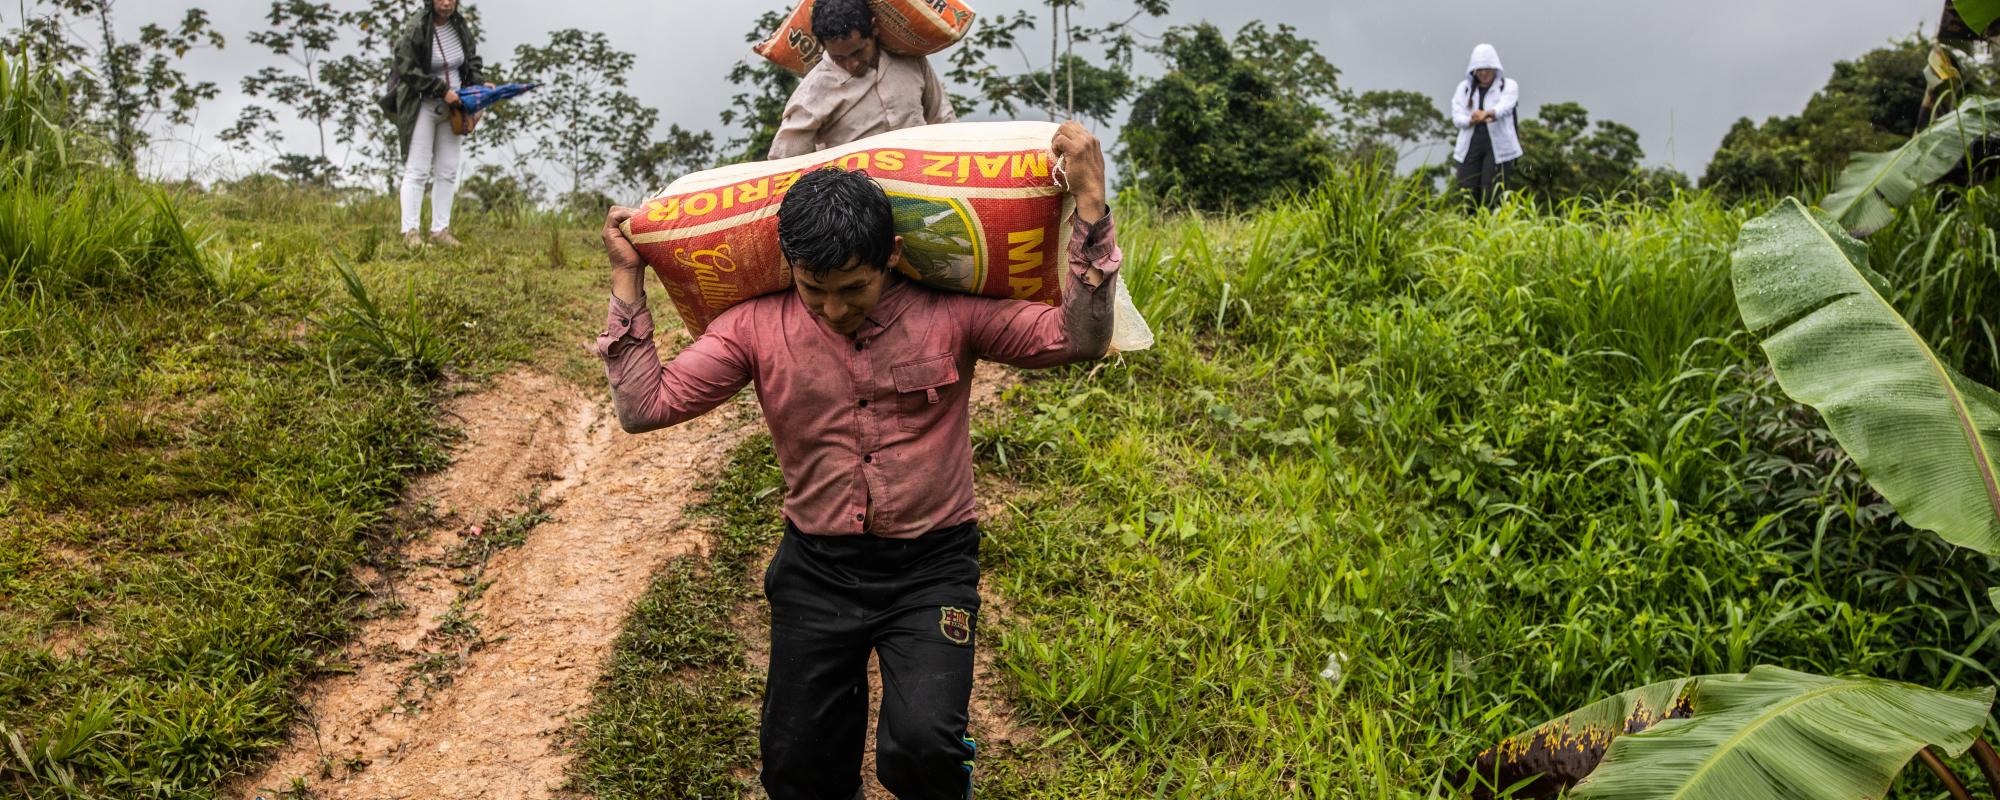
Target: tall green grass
{"points": [[1476, 470], [68, 224]]}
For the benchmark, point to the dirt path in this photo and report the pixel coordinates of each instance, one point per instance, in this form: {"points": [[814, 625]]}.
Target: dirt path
{"points": [[470, 671], [477, 651]]}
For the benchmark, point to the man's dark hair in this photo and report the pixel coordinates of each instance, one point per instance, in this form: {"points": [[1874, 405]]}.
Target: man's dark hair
{"points": [[831, 215], [835, 19]]}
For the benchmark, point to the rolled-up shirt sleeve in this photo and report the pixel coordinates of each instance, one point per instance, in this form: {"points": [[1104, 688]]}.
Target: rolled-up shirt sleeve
{"points": [[648, 395], [1025, 334]]}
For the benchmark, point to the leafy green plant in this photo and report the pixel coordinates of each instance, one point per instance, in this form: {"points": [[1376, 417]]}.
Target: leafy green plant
{"points": [[32, 107], [1978, 14], [1868, 192], [1769, 733], [53, 758], [1927, 438], [403, 342]]}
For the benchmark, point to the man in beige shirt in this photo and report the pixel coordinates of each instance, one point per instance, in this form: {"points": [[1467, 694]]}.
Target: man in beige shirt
{"points": [[857, 90]]}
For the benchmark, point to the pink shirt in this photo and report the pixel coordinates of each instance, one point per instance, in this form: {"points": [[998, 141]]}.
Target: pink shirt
{"points": [[871, 431]]}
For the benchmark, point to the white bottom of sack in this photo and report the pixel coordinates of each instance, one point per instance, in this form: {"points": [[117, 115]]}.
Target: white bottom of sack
{"points": [[1129, 331]]}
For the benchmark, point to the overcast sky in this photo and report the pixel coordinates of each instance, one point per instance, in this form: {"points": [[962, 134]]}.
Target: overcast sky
{"points": [[1679, 72]]}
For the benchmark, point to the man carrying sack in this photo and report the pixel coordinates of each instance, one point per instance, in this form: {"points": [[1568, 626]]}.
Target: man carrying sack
{"points": [[858, 89], [864, 378]]}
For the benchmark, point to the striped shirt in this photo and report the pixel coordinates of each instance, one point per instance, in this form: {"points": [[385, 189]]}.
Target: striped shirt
{"points": [[447, 55]]}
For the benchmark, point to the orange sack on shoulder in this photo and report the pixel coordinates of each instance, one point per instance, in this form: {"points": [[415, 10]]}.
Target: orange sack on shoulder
{"points": [[909, 27], [976, 203]]}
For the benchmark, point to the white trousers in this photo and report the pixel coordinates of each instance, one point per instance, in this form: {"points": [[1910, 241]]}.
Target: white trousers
{"points": [[434, 152]]}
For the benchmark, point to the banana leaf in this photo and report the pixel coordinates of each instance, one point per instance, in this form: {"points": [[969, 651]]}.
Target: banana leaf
{"points": [[1874, 185], [1554, 755], [1926, 437], [1775, 733], [1978, 14]]}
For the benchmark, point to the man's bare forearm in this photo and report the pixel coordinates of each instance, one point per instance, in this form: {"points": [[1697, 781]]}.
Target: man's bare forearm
{"points": [[628, 285]]}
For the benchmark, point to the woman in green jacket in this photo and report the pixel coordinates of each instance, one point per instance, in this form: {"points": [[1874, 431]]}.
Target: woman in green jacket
{"points": [[435, 55]]}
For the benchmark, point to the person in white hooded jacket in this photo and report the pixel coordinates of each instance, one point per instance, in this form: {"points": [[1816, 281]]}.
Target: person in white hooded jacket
{"points": [[1488, 140]]}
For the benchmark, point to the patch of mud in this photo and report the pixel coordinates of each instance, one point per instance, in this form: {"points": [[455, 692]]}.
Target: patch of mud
{"points": [[470, 669]]}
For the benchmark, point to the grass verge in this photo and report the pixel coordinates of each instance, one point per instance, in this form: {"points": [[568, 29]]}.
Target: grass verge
{"points": [[675, 713]]}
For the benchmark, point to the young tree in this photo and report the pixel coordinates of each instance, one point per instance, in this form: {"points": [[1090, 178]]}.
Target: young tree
{"points": [[1064, 85], [1231, 125], [582, 113], [304, 33], [356, 79], [119, 87]]}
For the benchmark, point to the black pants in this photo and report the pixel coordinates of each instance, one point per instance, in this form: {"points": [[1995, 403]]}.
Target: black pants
{"points": [[1481, 178], [834, 599]]}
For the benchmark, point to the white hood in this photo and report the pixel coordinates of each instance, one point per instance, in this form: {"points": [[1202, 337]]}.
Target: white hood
{"points": [[1503, 100], [1485, 57]]}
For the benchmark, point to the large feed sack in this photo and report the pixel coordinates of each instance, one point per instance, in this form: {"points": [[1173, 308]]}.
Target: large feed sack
{"points": [[975, 202], [909, 27]]}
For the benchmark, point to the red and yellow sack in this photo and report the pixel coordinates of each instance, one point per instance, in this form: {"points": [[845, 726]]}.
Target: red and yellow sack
{"points": [[909, 27], [974, 202]]}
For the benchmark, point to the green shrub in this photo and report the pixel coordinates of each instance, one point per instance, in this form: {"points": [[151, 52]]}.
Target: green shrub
{"points": [[1231, 124]]}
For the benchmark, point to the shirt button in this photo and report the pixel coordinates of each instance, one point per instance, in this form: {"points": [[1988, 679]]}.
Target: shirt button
{"points": [[860, 517], [868, 459], [857, 347], [864, 404]]}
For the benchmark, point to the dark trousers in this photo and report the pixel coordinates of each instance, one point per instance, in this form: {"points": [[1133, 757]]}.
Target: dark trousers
{"points": [[833, 600], [1480, 177]]}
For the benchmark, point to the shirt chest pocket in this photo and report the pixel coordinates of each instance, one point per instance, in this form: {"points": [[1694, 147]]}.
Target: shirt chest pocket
{"points": [[919, 387]]}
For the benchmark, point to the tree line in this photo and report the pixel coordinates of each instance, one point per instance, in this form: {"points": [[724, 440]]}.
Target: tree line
{"points": [[1233, 120]]}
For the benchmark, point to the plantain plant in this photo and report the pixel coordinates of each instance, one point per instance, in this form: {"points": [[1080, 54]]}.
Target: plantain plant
{"points": [[1873, 185], [1868, 192], [1768, 733], [1928, 439]]}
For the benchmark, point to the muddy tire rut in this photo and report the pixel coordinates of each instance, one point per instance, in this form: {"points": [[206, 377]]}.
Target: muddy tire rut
{"points": [[470, 670]]}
